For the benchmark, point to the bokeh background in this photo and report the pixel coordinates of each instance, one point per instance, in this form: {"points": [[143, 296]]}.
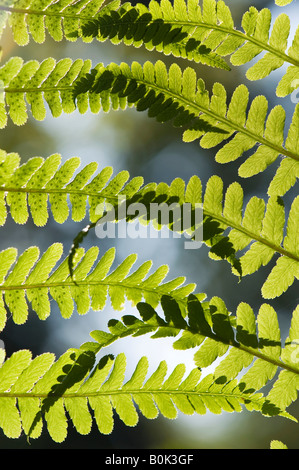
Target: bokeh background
{"points": [[131, 141]]}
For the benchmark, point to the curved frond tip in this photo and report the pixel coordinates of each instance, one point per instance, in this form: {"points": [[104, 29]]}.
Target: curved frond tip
{"points": [[36, 279]]}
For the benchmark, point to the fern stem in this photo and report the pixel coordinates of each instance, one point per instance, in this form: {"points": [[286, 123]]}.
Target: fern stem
{"points": [[157, 290], [125, 392]]}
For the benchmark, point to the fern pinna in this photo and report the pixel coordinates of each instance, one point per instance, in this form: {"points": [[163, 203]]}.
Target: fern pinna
{"points": [[225, 229], [183, 28], [167, 95], [256, 370]]}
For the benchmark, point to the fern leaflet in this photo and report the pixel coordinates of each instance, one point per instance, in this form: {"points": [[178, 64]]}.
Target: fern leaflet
{"points": [[182, 98], [167, 95], [220, 334], [34, 279], [184, 29], [36, 389]]}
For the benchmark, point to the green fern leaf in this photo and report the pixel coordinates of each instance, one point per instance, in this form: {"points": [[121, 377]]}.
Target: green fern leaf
{"points": [[217, 333], [229, 228], [43, 390], [176, 96], [204, 34], [278, 444], [166, 95], [118, 23], [282, 3], [30, 186], [34, 279]]}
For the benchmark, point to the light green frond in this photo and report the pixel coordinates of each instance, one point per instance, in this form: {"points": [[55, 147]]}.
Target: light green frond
{"points": [[282, 3], [244, 342], [167, 95], [37, 279], [38, 181], [133, 25], [38, 391], [185, 29], [182, 98]]}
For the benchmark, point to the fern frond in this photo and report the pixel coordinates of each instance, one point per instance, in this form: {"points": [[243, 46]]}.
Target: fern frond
{"points": [[149, 27], [278, 444], [167, 95], [282, 3], [247, 237], [32, 185], [220, 334], [119, 23], [182, 98], [259, 231], [48, 81], [37, 390], [203, 33], [35, 278]]}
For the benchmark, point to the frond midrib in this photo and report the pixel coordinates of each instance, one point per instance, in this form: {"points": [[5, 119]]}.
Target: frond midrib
{"points": [[195, 24], [77, 283], [129, 392]]}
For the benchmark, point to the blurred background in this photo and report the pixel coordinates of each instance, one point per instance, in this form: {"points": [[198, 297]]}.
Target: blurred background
{"points": [[131, 141]]}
